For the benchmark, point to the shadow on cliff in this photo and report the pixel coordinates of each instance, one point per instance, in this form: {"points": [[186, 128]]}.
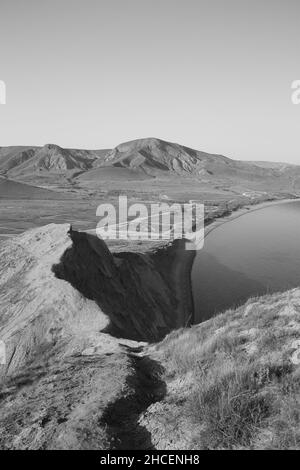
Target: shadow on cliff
{"points": [[144, 387], [134, 290]]}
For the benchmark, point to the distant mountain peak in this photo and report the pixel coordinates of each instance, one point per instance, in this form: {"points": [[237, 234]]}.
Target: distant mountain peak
{"points": [[142, 159], [51, 147]]}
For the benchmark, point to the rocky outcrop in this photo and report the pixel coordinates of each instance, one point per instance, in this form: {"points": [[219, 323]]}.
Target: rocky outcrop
{"points": [[73, 371], [128, 287], [60, 285]]}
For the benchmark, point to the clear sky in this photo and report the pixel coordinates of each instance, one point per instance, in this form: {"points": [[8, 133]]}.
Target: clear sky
{"points": [[214, 75]]}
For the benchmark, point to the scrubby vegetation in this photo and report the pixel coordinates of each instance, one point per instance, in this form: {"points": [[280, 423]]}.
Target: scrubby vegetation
{"points": [[235, 379]]}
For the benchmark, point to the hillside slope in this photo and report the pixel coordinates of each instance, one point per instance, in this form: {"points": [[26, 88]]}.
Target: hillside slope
{"points": [[144, 159], [76, 375], [10, 189], [157, 158], [52, 279], [16, 161], [233, 382], [61, 293]]}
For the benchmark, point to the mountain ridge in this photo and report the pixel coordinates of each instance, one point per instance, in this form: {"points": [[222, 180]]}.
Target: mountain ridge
{"points": [[141, 159]]}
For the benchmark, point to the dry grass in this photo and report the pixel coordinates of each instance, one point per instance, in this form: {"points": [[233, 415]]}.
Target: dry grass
{"points": [[241, 386]]}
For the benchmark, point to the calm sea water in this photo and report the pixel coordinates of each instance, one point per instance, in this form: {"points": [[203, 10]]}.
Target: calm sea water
{"points": [[255, 254]]}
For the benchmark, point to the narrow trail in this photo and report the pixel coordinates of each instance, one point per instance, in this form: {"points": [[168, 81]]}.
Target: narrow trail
{"points": [[144, 386]]}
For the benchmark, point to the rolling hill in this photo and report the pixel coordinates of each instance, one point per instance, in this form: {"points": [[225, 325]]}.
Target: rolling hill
{"points": [[143, 159], [10, 189], [157, 158], [15, 161]]}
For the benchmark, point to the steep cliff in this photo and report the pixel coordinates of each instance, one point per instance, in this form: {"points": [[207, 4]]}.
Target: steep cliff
{"points": [[72, 320]]}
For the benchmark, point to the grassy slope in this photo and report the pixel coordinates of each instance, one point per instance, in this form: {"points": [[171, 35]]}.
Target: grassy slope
{"points": [[233, 381]]}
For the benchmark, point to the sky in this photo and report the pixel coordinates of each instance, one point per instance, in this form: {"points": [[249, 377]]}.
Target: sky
{"points": [[213, 75]]}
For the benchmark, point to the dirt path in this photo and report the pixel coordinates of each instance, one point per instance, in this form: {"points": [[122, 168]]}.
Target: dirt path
{"points": [[144, 386]]}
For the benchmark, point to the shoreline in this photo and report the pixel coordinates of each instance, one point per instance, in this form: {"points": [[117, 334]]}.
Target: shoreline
{"points": [[247, 209], [219, 221], [182, 264]]}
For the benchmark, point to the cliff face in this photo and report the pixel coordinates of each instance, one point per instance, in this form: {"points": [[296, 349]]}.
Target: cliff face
{"points": [[77, 374], [128, 287], [72, 317], [60, 286]]}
